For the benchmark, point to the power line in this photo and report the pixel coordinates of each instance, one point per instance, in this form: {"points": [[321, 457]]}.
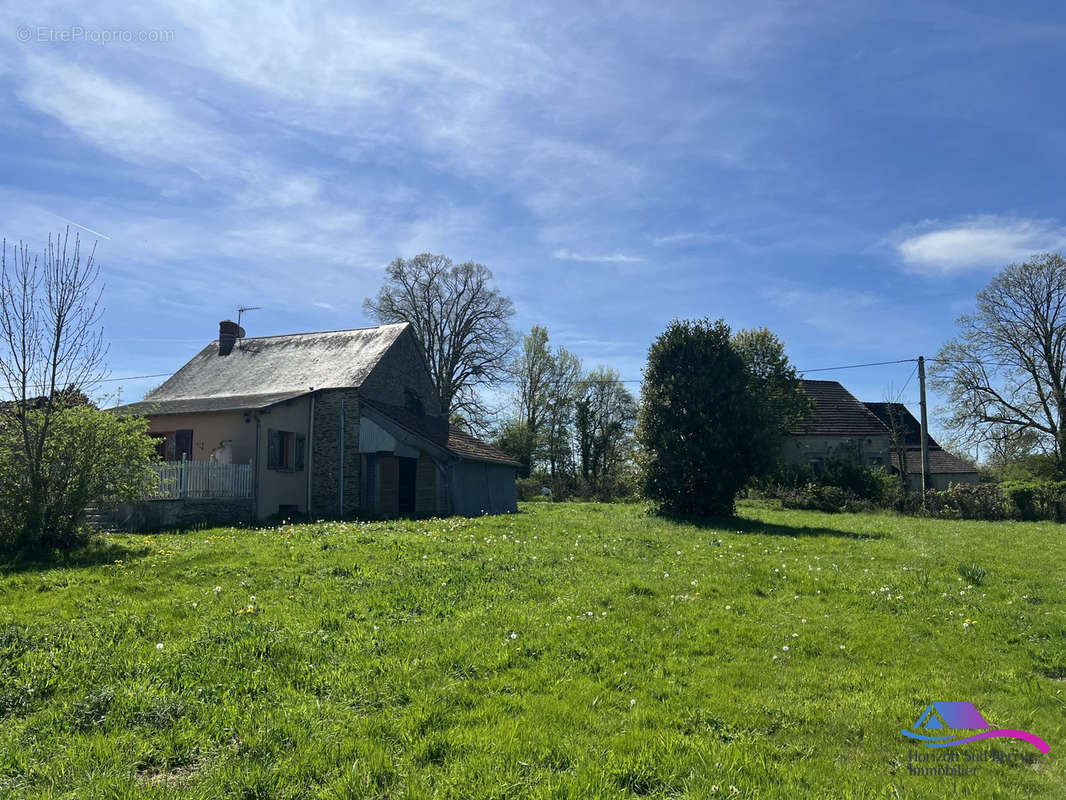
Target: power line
{"points": [[136, 377], [857, 366], [583, 381]]}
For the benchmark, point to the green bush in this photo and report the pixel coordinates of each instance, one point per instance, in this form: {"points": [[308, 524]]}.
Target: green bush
{"points": [[89, 457], [703, 431], [837, 487], [831, 499], [984, 501], [1038, 500]]}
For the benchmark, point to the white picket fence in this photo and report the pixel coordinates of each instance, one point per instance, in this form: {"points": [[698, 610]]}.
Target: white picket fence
{"points": [[202, 480]]}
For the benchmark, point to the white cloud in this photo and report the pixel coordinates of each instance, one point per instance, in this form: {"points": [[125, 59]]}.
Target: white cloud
{"points": [[117, 117], [977, 243], [563, 254]]}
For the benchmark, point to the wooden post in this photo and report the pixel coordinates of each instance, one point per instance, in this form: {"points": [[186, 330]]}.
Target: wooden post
{"points": [[925, 427]]}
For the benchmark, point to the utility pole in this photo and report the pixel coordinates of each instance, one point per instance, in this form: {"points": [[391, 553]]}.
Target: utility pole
{"points": [[925, 427]]}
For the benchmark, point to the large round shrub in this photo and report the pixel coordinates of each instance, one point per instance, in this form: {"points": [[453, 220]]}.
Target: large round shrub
{"points": [[702, 430]]}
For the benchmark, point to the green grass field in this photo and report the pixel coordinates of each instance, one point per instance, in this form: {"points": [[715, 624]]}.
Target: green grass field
{"points": [[578, 651]]}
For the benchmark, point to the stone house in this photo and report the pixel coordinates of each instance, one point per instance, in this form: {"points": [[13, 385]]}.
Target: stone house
{"points": [[944, 467], [332, 423], [839, 428]]}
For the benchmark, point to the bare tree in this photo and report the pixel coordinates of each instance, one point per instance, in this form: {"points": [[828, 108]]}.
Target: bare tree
{"points": [[51, 351], [1006, 370], [897, 430], [462, 322]]}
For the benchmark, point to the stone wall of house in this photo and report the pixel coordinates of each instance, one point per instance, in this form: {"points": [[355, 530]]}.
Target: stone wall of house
{"points": [[154, 515], [402, 367], [326, 454], [863, 451]]}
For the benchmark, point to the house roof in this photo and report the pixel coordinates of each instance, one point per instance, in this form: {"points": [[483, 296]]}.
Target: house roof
{"points": [[241, 402], [264, 370], [941, 462], [836, 413], [904, 419], [441, 433]]}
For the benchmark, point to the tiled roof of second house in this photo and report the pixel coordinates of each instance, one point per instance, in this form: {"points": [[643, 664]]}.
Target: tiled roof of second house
{"points": [[837, 413], [899, 415]]}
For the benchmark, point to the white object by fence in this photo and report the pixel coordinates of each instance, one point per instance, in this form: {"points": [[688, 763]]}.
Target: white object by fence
{"points": [[202, 480]]}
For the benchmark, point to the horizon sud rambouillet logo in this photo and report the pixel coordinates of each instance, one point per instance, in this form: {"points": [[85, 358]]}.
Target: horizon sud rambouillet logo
{"points": [[946, 724]]}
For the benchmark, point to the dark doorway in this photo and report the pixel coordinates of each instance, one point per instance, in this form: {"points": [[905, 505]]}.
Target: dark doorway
{"points": [[408, 467]]}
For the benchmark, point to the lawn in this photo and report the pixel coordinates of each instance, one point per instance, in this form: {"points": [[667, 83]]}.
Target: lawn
{"points": [[570, 650]]}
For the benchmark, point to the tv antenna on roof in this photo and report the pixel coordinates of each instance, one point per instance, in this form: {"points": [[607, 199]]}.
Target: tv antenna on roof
{"points": [[242, 310]]}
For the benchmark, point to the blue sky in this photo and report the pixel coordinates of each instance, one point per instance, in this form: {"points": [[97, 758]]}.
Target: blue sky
{"points": [[847, 174]]}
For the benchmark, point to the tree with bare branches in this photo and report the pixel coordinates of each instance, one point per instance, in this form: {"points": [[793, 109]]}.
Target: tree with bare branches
{"points": [[1005, 371], [462, 321], [53, 443]]}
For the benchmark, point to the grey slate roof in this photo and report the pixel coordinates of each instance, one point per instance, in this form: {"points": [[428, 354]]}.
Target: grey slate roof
{"points": [[264, 370], [837, 413]]}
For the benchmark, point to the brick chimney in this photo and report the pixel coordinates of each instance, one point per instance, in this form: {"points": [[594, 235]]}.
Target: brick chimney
{"points": [[228, 334]]}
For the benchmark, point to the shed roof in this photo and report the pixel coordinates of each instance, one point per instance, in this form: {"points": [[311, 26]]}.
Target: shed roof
{"points": [[443, 434], [240, 402], [837, 413]]}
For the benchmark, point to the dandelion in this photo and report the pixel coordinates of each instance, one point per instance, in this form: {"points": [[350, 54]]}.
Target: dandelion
{"points": [[632, 702], [159, 646]]}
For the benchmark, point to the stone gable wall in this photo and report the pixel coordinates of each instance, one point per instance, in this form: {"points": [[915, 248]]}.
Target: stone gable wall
{"points": [[400, 367], [325, 454]]}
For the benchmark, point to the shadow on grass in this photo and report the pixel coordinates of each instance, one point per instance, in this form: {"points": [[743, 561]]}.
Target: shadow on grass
{"points": [[93, 554], [746, 525]]}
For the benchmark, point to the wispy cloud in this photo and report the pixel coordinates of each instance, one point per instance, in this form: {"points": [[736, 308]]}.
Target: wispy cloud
{"points": [[563, 254], [690, 237], [933, 248]]}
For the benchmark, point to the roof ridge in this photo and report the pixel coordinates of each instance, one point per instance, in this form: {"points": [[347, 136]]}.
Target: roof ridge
{"points": [[320, 333]]}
